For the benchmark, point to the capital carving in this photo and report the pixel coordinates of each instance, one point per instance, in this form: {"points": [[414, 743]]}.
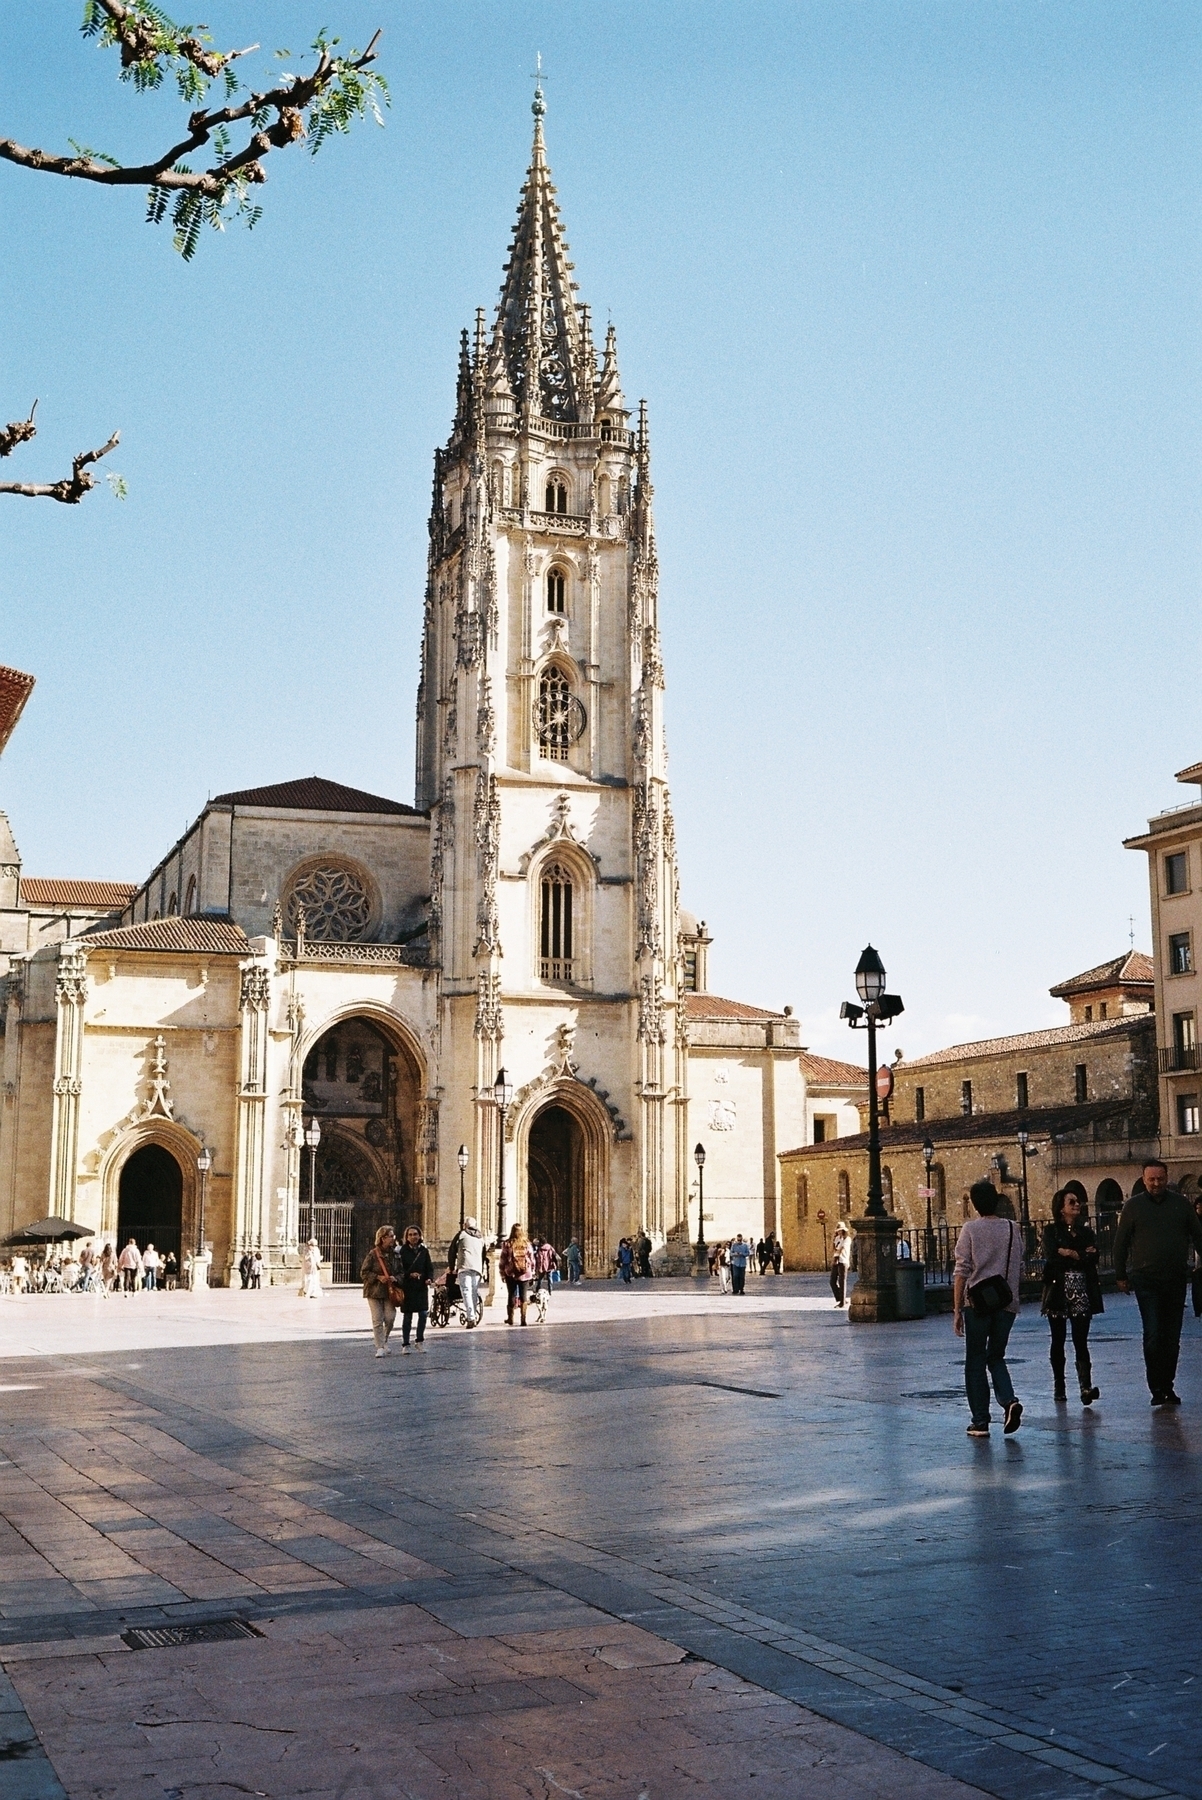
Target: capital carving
{"points": [[256, 987]]}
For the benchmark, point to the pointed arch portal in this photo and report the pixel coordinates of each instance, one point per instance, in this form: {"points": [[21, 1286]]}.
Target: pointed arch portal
{"points": [[555, 1194]]}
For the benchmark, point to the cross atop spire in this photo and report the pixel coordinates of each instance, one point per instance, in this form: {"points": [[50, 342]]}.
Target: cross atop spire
{"points": [[538, 318]]}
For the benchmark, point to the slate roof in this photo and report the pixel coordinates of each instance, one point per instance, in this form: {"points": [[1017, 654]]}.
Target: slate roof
{"points": [[1029, 1040], [15, 689], [313, 793], [111, 895], [215, 937], [1131, 969], [1040, 1121], [828, 1071], [710, 1006]]}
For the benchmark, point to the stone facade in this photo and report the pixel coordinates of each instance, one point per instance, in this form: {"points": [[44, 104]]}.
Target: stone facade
{"points": [[1084, 1093], [1173, 845], [310, 951]]}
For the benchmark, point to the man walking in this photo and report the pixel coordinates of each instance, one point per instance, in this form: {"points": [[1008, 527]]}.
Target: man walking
{"points": [[643, 1255], [466, 1263], [739, 1253], [1151, 1255], [130, 1264], [150, 1268], [840, 1261]]}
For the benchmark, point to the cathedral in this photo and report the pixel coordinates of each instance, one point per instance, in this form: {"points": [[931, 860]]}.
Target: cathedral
{"points": [[325, 1009]]}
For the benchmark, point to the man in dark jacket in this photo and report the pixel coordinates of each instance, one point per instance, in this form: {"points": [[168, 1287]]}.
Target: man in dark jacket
{"points": [[1151, 1253]]}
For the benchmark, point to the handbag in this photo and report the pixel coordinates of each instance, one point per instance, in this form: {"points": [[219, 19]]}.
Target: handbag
{"points": [[994, 1293], [395, 1294]]}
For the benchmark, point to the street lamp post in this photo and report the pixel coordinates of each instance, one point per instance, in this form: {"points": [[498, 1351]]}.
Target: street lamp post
{"points": [[701, 1261], [312, 1139], [1026, 1149], [928, 1157], [502, 1093], [461, 1159], [204, 1162], [875, 1296]]}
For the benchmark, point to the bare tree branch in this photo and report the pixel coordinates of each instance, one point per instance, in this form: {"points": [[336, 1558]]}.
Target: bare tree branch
{"points": [[72, 488], [19, 432]]}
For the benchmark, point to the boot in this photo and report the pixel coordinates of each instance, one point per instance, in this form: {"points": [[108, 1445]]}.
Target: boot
{"points": [[509, 1313], [1060, 1392], [523, 1312], [1089, 1393]]}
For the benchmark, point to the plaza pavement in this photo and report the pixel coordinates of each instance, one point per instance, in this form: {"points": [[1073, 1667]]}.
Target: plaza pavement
{"points": [[675, 1546]]}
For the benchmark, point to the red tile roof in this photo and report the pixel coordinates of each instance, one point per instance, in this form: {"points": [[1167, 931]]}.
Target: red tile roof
{"points": [[15, 690], [313, 793], [1032, 1040], [827, 1071], [93, 895], [214, 937], [709, 1006], [1132, 969]]}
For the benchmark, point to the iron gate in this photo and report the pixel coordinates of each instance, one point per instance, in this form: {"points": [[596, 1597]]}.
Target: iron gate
{"points": [[333, 1227]]}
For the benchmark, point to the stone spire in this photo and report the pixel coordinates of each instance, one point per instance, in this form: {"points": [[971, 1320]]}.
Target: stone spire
{"points": [[610, 401], [537, 317]]}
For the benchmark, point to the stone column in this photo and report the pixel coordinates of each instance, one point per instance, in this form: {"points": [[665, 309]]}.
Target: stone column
{"points": [[874, 1298], [70, 993], [249, 1154]]}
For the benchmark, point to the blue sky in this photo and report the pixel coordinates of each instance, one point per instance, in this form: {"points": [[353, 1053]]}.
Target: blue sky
{"points": [[912, 293]]}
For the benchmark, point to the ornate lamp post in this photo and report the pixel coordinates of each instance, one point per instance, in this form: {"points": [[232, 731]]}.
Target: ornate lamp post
{"points": [[701, 1261], [1026, 1149], [461, 1159], [204, 1162], [875, 1296], [312, 1139], [928, 1157], [502, 1093]]}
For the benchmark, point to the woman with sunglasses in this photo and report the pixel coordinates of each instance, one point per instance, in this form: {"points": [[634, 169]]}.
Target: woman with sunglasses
{"points": [[1072, 1293]]}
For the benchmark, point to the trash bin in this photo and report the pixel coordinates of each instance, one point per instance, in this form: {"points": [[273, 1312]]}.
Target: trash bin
{"points": [[911, 1290]]}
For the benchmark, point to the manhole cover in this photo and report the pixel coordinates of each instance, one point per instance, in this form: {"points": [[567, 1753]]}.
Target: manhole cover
{"points": [[206, 1631]]}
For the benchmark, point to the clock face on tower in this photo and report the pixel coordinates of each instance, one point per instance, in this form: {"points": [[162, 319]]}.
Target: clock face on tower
{"points": [[559, 717]]}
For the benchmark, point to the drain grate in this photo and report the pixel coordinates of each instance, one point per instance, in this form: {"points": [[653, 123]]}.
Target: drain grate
{"points": [[205, 1631]]}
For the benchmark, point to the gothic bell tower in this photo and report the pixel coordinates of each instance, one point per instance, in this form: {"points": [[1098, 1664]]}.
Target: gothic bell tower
{"points": [[541, 757]]}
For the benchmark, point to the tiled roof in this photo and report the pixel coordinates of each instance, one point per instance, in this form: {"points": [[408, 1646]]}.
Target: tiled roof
{"points": [[1132, 968], [92, 894], [1041, 1121], [1029, 1040], [709, 1006], [15, 690], [216, 937], [827, 1071], [313, 793]]}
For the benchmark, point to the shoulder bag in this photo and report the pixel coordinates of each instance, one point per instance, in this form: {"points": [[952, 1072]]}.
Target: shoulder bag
{"points": [[994, 1293], [395, 1294]]}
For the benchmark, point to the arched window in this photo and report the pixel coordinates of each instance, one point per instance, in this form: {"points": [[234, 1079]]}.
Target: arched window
{"points": [[555, 955], [559, 718], [604, 490], [557, 495], [173, 906], [887, 1188], [844, 1193], [557, 588], [190, 895]]}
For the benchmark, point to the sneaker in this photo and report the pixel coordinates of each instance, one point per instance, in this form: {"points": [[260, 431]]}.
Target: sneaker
{"points": [[419, 1345], [978, 1431], [381, 1353], [404, 1349], [1014, 1417], [1160, 1400]]}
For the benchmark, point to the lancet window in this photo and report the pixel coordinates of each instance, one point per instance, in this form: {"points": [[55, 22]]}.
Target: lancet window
{"points": [[559, 717], [555, 925], [557, 495], [556, 590]]}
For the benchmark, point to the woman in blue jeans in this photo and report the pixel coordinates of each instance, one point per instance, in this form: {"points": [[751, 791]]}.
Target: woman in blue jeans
{"points": [[989, 1252]]}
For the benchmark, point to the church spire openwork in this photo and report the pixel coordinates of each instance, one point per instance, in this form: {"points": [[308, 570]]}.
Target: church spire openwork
{"points": [[538, 321]]}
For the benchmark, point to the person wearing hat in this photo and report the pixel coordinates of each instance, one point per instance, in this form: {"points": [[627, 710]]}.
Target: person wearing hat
{"points": [[1072, 1292], [311, 1271], [465, 1263]]}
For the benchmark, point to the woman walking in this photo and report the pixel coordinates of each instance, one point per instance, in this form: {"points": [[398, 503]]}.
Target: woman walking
{"points": [[989, 1261], [382, 1276], [1072, 1292], [517, 1270], [417, 1272]]}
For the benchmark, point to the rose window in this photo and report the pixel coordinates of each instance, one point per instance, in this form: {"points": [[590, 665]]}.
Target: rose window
{"points": [[337, 905]]}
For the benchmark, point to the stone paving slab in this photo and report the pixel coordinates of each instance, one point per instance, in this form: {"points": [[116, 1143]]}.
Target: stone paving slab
{"points": [[835, 1553]]}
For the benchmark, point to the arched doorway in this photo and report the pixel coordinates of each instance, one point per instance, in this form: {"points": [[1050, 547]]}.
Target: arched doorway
{"points": [[150, 1201], [364, 1089], [555, 1178]]}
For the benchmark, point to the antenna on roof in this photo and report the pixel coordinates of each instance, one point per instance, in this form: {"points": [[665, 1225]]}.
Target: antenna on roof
{"points": [[1131, 930]]}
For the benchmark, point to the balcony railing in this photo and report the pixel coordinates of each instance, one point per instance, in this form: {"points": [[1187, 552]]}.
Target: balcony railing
{"points": [[1178, 1059], [556, 968]]}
